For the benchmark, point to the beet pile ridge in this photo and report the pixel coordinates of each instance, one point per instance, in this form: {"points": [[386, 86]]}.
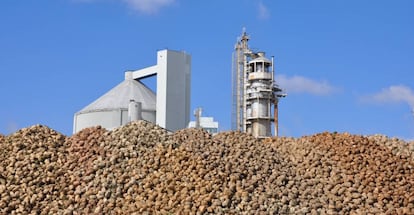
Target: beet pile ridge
{"points": [[142, 168]]}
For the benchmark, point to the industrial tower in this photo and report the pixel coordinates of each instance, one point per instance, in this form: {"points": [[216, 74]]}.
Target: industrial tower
{"points": [[254, 91]]}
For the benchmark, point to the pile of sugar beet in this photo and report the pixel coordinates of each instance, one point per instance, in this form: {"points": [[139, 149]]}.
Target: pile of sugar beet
{"points": [[140, 168]]}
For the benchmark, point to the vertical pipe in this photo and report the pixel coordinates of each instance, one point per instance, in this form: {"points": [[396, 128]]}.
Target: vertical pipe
{"points": [[269, 117], [244, 75], [134, 110], [197, 114], [273, 69], [241, 87], [275, 108], [276, 120], [234, 89], [239, 90]]}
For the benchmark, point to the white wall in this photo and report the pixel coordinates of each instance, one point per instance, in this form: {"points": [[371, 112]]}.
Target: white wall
{"points": [[173, 89], [108, 119]]}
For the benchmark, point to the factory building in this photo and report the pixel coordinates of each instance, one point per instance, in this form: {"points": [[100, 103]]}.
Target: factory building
{"points": [[168, 107], [206, 123], [254, 91], [255, 95]]}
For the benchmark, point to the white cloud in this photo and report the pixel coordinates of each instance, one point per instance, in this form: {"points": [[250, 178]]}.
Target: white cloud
{"points": [[393, 94], [263, 12], [142, 6], [300, 84], [148, 6]]}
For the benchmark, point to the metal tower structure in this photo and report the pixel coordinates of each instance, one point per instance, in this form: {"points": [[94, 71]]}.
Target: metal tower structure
{"points": [[254, 91], [238, 78]]}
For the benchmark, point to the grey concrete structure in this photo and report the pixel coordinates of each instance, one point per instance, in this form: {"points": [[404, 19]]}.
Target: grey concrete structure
{"points": [[169, 107], [111, 109]]}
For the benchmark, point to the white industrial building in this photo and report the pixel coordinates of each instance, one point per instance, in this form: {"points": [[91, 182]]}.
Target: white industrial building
{"points": [[131, 100], [206, 123]]}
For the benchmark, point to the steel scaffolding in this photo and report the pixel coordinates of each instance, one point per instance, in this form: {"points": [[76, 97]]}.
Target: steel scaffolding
{"points": [[254, 91]]}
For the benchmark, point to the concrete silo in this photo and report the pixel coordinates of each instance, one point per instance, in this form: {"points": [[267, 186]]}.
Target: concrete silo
{"points": [[168, 107]]}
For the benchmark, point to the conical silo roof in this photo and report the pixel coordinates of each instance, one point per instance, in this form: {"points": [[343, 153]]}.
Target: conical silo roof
{"points": [[120, 96]]}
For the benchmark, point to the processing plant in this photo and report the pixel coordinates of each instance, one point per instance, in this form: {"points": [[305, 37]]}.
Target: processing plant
{"points": [[254, 91], [255, 95]]}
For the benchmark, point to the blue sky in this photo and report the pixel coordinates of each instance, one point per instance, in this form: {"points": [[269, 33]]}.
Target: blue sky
{"points": [[346, 66]]}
